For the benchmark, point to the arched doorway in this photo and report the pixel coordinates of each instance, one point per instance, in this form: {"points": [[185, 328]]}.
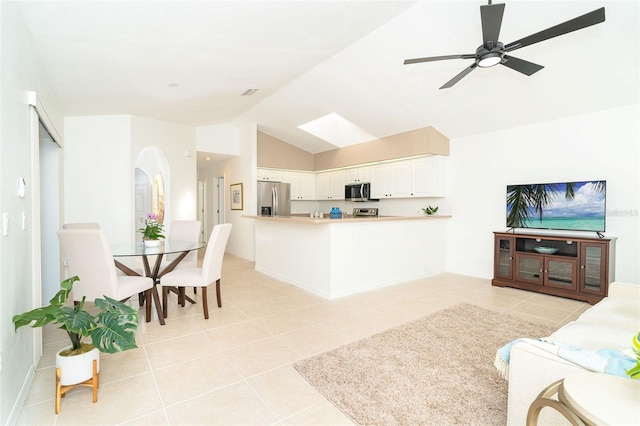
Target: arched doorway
{"points": [[151, 185]]}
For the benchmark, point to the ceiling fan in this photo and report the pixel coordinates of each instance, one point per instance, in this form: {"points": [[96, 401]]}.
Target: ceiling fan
{"points": [[493, 52]]}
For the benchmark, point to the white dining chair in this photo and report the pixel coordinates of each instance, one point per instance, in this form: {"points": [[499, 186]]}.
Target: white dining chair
{"points": [[184, 230], [88, 255], [209, 273], [82, 225], [93, 225]]}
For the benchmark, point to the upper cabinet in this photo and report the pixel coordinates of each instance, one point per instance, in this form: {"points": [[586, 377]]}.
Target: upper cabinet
{"points": [[358, 175], [270, 175], [391, 180], [414, 178], [420, 177], [429, 176], [330, 185], [303, 185]]}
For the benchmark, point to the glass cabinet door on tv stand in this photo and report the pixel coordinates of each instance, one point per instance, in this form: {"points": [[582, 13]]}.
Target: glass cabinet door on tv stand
{"points": [[593, 268], [574, 267], [504, 249]]}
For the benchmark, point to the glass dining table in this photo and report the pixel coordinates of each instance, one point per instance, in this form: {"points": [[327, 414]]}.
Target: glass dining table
{"points": [[138, 249]]}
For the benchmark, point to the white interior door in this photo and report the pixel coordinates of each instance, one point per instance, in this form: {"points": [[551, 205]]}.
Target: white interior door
{"points": [[221, 204], [202, 209]]}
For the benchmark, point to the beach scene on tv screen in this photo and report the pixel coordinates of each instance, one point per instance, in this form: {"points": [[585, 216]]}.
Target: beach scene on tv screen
{"points": [[578, 206]]}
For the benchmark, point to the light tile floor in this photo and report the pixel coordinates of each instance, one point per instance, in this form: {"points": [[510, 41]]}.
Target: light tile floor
{"points": [[236, 368]]}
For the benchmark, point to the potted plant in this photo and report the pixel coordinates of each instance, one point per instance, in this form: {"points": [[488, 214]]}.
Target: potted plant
{"points": [[111, 330], [430, 210], [152, 231]]}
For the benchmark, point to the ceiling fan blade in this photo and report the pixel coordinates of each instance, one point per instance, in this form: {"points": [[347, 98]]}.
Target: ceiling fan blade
{"points": [[438, 58], [520, 65], [491, 15], [459, 77], [586, 20]]}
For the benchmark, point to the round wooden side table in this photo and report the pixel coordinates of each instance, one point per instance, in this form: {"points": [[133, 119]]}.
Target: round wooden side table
{"points": [[587, 398]]}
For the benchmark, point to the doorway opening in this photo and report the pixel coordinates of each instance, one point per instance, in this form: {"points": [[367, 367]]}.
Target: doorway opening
{"points": [[151, 185]]}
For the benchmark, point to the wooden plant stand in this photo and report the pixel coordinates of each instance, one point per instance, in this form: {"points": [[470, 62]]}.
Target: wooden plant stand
{"points": [[93, 383]]}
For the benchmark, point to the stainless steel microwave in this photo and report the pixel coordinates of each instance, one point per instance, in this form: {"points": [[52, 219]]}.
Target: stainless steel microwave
{"points": [[358, 192]]}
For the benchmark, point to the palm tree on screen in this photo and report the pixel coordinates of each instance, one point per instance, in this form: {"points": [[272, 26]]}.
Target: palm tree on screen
{"points": [[526, 199]]}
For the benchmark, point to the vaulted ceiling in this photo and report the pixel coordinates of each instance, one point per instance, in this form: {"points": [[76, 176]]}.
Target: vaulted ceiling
{"points": [[190, 62]]}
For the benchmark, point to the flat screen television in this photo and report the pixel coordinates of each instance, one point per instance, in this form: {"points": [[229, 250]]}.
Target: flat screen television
{"points": [[575, 206]]}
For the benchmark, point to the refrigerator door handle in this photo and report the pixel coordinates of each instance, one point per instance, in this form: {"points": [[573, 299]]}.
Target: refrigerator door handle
{"points": [[274, 199]]}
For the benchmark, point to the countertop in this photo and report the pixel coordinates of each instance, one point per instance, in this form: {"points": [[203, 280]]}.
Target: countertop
{"points": [[348, 219]]}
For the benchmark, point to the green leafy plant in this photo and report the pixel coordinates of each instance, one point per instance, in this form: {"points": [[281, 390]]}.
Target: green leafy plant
{"points": [[634, 372], [430, 210], [152, 228], [111, 330]]}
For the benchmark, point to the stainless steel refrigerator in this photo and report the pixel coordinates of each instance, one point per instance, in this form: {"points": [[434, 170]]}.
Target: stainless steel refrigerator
{"points": [[274, 199]]}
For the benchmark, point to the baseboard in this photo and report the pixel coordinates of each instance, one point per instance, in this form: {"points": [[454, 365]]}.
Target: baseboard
{"points": [[18, 404]]}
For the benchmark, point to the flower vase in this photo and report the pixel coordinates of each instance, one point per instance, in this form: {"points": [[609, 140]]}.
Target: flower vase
{"points": [[151, 243]]}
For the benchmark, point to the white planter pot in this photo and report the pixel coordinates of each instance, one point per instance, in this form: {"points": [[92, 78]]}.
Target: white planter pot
{"points": [[78, 368], [151, 243]]}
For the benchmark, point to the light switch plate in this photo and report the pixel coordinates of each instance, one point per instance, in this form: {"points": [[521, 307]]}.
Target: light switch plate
{"points": [[22, 187], [5, 223]]}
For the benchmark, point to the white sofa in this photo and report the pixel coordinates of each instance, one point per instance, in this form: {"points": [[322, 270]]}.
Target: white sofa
{"points": [[609, 324]]}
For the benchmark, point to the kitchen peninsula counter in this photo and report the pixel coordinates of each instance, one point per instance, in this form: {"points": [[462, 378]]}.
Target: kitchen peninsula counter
{"points": [[339, 257], [348, 219]]}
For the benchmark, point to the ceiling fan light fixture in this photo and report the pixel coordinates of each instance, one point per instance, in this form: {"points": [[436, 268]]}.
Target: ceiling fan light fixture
{"points": [[490, 59]]}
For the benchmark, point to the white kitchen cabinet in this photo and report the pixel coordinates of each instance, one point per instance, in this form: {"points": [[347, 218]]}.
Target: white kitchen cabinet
{"points": [[400, 179], [330, 185], [415, 178], [307, 186], [429, 176], [420, 177], [391, 180], [272, 175], [338, 181], [303, 185], [379, 181], [358, 175]]}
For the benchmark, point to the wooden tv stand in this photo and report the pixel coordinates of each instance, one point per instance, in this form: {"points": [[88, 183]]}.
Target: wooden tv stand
{"points": [[576, 267]]}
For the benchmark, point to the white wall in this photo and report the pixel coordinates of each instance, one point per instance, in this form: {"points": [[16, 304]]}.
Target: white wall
{"points": [[224, 141], [100, 154], [178, 143], [601, 145], [219, 139], [98, 173], [20, 72], [239, 168]]}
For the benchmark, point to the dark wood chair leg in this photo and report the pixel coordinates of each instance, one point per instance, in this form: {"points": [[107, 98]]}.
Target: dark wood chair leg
{"points": [[181, 296], [147, 308], [165, 292], [205, 304], [195, 290], [218, 293], [141, 298]]}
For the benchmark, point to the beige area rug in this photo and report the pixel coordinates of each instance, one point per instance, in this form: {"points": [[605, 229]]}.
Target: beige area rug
{"points": [[437, 370]]}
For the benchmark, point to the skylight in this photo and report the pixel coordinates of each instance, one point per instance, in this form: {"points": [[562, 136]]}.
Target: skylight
{"points": [[336, 130]]}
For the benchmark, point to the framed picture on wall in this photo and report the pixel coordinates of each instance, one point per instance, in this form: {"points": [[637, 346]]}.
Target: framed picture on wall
{"points": [[236, 196]]}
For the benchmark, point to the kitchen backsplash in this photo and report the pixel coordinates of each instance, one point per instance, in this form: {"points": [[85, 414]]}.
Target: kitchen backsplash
{"points": [[392, 207]]}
